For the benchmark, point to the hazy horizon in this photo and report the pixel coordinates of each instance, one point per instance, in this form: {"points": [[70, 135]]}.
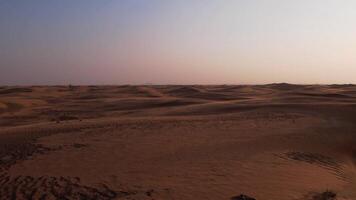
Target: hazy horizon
{"points": [[89, 42]]}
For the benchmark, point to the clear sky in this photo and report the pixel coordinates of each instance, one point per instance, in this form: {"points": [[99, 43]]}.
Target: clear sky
{"points": [[177, 41]]}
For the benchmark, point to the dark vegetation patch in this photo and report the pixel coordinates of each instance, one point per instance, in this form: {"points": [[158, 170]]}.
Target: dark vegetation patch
{"points": [[326, 195], [242, 197]]}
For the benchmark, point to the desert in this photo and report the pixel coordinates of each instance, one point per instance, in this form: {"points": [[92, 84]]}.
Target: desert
{"points": [[275, 141]]}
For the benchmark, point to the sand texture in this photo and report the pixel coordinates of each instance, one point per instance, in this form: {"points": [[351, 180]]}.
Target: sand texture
{"points": [[218, 142]]}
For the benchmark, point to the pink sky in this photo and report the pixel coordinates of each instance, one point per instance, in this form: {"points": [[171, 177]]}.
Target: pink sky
{"points": [[177, 42]]}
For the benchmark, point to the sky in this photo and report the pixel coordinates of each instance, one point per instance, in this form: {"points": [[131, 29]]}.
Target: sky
{"points": [[86, 42]]}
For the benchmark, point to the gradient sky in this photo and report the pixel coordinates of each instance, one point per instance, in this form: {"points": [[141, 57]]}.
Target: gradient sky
{"points": [[177, 41]]}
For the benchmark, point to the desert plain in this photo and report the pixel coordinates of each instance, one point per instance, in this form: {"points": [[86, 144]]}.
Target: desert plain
{"points": [[178, 142]]}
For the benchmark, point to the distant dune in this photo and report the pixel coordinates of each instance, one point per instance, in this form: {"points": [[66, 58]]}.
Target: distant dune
{"points": [[242, 142]]}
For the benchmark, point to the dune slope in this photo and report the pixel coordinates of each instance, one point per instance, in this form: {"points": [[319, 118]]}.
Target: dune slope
{"points": [[277, 141]]}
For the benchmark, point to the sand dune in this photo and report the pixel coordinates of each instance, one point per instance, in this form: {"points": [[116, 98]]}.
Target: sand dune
{"points": [[277, 141]]}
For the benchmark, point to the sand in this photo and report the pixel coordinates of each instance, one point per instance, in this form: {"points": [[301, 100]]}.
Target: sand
{"points": [[276, 141]]}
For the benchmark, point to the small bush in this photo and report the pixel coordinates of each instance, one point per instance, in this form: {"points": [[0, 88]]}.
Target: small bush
{"points": [[327, 195]]}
